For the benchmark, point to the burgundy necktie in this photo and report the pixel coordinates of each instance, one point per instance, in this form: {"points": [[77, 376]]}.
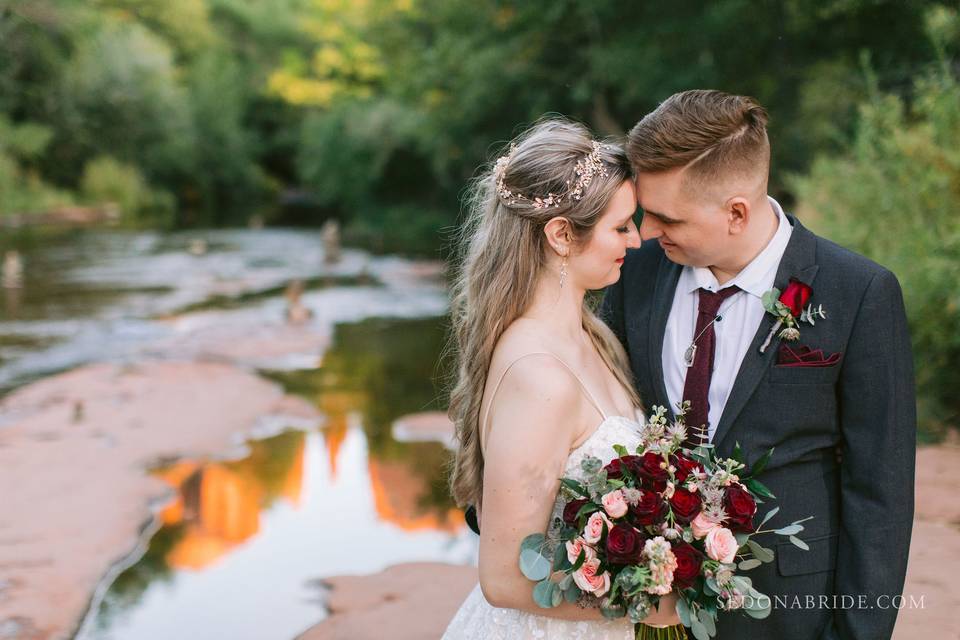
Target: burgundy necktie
{"points": [[696, 387]]}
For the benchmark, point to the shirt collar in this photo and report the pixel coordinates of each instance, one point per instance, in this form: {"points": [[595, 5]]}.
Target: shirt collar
{"points": [[758, 276]]}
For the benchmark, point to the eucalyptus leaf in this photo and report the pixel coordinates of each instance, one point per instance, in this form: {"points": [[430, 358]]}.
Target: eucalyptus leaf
{"points": [[683, 611], [571, 593], [710, 586], [565, 583], [752, 563], [621, 450], [789, 530], [800, 543], [741, 538], [699, 631], [742, 583], [769, 515], [543, 593], [761, 553], [708, 622], [556, 596], [533, 541], [533, 565], [769, 299], [758, 607]]}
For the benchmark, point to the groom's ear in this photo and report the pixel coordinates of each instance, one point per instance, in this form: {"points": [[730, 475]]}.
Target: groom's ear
{"points": [[738, 214]]}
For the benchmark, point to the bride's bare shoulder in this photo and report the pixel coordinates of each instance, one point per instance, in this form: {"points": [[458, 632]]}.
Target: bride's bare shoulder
{"points": [[527, 367], [520, 345]]}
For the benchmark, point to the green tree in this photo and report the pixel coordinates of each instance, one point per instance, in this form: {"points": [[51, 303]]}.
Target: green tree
{"points": [[893, 196]]}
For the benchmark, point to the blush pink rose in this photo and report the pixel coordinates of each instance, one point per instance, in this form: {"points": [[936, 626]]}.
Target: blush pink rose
{"points": [[575, 546], [614, 504], [589, 581], [593, 530], [721, 545], [702, 525]]}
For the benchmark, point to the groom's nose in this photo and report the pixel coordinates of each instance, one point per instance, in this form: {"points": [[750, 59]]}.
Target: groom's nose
{"points": [[649, 228]]}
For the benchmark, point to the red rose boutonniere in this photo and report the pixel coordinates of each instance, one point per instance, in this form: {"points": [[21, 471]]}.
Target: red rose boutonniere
{"points": [[788, 309]]}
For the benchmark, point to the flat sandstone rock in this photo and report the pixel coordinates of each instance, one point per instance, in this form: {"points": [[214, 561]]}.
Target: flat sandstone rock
{"points": [[74, 456], [404, 602]]}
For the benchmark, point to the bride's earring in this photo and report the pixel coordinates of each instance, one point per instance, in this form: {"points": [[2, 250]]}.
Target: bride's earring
{"points": [[563, 271]]}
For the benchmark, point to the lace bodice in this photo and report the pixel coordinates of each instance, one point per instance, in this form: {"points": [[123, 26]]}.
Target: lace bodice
{"points": [[479, 620]]}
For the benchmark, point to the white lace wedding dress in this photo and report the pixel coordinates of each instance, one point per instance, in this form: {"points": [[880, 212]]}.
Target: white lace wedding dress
{"points": [[479, 620]]}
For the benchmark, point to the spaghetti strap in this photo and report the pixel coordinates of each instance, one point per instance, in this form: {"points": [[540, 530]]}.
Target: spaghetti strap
{"points": [[496, 387]]}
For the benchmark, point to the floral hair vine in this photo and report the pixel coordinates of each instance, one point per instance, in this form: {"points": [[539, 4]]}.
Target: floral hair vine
{"points": [[586, 168]]}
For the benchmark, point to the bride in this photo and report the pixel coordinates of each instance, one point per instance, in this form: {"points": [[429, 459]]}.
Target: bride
{"points": [[542, 382]]}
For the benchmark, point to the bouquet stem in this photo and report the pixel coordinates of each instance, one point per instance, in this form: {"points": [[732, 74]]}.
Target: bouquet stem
{"points": [[673, 632]]}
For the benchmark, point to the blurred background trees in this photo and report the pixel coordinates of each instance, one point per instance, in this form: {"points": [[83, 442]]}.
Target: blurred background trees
{"points": [[378, 113]]}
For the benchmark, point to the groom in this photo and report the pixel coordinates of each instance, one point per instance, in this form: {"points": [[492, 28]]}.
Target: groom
{"points": [[836, 402]]}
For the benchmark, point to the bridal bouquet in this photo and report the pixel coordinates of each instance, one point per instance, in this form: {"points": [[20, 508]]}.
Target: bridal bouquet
{"points": [[661, 519]]}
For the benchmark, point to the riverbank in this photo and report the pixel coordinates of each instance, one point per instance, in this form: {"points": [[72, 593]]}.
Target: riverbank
{"points": [[418, 600], [75, 454], [170, 378]]}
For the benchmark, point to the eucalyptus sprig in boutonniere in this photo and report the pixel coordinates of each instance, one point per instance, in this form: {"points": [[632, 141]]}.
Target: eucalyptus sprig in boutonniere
{"points": [[789, 311]]}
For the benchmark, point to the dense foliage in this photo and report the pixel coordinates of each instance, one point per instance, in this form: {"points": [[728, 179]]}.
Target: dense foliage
{"points": [[378, 112]]}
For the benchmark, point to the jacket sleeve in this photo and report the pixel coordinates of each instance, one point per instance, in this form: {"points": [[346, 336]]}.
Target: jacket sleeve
{"points": [[878, 423]]}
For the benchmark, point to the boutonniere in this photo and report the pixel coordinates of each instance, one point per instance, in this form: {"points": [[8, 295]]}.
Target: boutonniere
{"points": [[789, 311]]}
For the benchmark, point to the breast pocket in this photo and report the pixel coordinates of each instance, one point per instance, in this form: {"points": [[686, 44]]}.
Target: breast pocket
{"points": [[780, 374]]}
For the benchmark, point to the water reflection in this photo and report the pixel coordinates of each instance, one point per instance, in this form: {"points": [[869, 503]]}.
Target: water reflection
{"points": [[219, 504], [243, 541]]}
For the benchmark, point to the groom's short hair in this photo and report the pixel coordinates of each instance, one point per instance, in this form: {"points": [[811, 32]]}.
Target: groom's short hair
{"points": [[714, 134]]}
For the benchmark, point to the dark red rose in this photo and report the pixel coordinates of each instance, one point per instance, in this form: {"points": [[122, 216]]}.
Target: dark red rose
{"points": [[570, 511], [650, 509], [614, 469], [688, 565], [624, 545], [740, 507], [796, 296], [652, 468], [632, 464], [685, 466], [685, 505]]}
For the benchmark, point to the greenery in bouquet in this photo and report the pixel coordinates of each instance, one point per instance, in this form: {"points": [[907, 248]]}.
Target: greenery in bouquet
{"points": [[662, 518]]}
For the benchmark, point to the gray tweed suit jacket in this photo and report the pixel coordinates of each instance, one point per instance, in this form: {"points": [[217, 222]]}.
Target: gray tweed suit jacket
{"points": [[844, 436]]}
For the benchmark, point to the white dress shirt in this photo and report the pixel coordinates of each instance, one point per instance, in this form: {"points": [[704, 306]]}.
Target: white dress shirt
{"points": [[741, 316]]}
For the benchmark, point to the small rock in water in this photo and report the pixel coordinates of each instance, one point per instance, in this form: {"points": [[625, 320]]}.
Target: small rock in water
{"points": [[330, 234], [198, 247], [12, 271]]}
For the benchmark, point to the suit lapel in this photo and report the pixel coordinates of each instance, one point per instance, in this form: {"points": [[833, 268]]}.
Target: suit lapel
{"points": [[798, 262], [667, 276]]}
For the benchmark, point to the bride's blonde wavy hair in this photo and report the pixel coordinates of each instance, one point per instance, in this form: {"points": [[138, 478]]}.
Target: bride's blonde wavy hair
{"points": [[502, 256]]}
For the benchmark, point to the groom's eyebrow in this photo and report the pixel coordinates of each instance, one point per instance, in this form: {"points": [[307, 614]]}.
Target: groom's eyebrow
{"points": [[659, 216]]}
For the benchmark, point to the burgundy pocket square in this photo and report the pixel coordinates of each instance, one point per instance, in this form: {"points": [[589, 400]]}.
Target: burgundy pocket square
{"points": [[801, 356]]}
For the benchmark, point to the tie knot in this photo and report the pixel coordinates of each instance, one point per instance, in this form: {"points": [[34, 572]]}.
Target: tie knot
{"points": [[710, 302]]}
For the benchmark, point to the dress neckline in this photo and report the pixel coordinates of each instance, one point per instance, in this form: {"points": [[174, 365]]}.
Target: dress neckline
{"points": [[600, 426]]}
